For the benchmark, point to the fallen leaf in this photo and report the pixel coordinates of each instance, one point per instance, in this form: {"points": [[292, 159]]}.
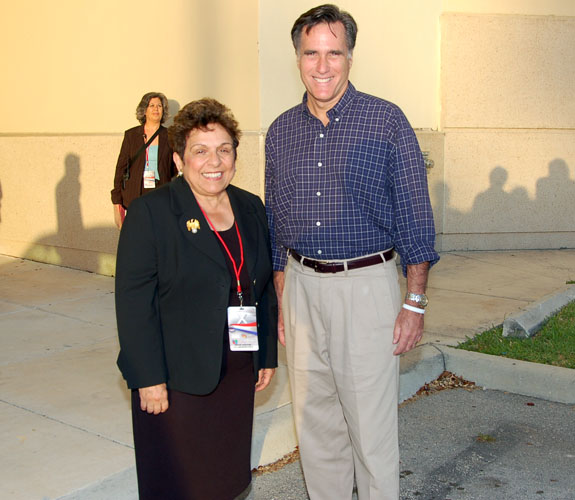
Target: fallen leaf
{"points": [[278, 464]]}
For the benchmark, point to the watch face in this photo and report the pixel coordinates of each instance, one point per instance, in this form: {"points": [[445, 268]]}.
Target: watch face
{"points": [[421, 299]]}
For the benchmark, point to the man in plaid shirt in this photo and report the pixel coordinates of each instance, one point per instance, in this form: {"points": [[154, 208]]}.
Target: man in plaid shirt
{"points": [[346, 188]]}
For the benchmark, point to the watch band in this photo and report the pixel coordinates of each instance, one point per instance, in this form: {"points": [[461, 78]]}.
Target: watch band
{"points": [[419, 298]]}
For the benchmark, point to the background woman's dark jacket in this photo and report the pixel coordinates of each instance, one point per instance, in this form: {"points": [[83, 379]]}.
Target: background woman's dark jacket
{"points": [[172, 290], [133, 140]]}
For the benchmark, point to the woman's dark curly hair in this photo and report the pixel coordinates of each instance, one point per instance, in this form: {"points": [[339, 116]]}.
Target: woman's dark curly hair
{"points": [[200, 115], [145, 101]]}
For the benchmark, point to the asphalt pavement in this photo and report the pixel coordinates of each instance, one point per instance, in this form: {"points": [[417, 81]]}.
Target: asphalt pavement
{"points": [[460, 444]]}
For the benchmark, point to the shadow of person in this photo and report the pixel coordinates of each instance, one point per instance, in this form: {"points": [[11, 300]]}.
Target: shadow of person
{"points": [[555, 198], [173, 107], [72, 245], [490, 209], [68, 210]]}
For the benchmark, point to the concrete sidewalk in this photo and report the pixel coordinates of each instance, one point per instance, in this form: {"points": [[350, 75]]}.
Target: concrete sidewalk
{"points": [[64, 411]]}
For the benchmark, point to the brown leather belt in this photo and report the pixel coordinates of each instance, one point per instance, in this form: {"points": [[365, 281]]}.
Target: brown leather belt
{"points": [[320, 266]]}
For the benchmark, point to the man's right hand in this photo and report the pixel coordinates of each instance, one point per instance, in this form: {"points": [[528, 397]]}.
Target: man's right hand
{"points": [[279, 278]]}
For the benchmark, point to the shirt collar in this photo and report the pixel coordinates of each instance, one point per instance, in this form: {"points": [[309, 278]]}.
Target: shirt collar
{"points": [[339, 108]]}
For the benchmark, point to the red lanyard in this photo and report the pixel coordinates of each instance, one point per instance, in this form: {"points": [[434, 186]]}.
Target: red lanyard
{"points": [[147, 162], [237, 269]]}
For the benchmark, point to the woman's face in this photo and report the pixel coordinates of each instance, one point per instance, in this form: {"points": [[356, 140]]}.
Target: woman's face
{"points": [[209, 162], [155, 110]]}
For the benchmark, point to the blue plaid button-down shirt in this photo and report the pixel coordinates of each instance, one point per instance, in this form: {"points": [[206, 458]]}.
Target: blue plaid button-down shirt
{"points": [[354, 187]]}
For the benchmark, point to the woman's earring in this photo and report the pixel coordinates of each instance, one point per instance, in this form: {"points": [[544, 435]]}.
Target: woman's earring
{"points": [[180, 173]]}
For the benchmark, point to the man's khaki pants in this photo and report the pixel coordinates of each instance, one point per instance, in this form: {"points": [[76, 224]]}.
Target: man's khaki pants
{"points": [[344, 378]]}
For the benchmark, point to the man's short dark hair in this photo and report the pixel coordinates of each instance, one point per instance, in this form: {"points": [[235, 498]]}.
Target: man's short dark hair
{"points": [[327, 13]]}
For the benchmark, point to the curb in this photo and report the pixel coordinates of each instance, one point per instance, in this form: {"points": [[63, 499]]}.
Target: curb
{"points": [[419, 367], [425, 363], [273, 436], [527, 323], [547, 382]]}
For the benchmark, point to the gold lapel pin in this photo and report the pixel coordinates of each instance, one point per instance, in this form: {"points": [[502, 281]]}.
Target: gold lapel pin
{"points": [[193, 225]]}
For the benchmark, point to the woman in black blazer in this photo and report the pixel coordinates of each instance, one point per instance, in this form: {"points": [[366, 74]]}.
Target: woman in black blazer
{"points": [[182, 251], [156, 159]]}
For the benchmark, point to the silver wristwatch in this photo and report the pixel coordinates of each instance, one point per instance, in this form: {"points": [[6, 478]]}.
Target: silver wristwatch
{"points": [[420, 298]]}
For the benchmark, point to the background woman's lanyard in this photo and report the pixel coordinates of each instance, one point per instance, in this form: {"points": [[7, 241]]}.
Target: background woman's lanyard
{"points": [[237, 269], [147, 159]]}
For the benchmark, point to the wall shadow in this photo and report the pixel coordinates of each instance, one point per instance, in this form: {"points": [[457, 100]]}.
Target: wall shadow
{"points": [[496, 210], [173, 108], [500, 210], [73, 245]]}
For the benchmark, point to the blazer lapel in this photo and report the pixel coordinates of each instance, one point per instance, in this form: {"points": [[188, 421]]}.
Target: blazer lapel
{"points": [[192, 223]]}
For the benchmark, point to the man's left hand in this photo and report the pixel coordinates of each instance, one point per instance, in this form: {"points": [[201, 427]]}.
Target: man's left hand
{"points": [[408, 331]]}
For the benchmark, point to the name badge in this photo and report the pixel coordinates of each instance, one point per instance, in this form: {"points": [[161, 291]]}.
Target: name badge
{"points": [[243, 328], [149, 179]]}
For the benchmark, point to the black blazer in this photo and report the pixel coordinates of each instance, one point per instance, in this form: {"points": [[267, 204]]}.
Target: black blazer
{"points": [[172, 290], [133, 141]]}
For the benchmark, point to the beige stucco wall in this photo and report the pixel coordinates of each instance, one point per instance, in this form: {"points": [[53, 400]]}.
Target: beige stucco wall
{"points": [[81, 66], [487, 83], [508, 115]]}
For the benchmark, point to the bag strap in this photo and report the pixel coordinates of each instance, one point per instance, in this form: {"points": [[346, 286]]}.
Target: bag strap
{"points": [[144, 146], [135, 157]]}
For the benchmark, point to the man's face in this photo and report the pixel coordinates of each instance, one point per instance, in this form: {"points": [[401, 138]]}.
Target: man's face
{"points": [[324, 63]]}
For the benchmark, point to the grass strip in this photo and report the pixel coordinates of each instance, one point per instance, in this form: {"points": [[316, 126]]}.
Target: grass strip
{"points": [[553, 345]]}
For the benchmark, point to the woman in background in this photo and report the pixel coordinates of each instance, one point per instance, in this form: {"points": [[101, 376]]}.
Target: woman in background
{"points": [[140, 169]]}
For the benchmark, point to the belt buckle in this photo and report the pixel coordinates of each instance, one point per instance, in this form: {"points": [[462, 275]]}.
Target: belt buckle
{"points": [[317, 264]]}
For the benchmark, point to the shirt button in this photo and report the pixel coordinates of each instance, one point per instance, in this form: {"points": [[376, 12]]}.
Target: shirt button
{"points": [[337, 119], [321, 135], [318, 223], [318, 193], [319, 164], [319, 252]]}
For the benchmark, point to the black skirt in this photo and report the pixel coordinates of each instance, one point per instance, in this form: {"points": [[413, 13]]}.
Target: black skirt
{"points": [[199, 449]]}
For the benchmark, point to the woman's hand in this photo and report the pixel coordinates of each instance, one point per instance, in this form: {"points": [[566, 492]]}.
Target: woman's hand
{"points": [[264, 377], [118, 215], [154, 399]]}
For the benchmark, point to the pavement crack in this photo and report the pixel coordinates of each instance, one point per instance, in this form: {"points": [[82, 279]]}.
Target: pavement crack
{"points": [[48, 311], [67, 424]]}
